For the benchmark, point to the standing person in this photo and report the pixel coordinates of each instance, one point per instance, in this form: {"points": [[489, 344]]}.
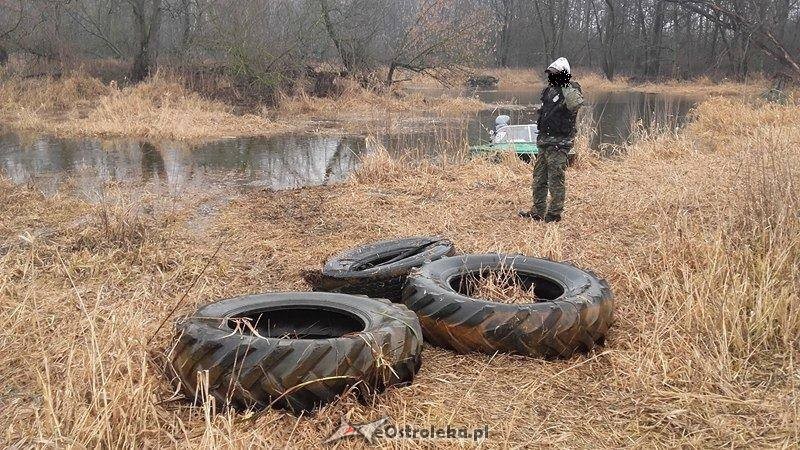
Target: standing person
{"points": [[557, 128]]}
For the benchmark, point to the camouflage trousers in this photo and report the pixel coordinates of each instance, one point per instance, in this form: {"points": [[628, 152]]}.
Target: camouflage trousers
{"points": [[548, 175]]}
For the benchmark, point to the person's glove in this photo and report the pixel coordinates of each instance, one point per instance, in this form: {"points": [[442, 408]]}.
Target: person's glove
{"points": [[573, 99]]}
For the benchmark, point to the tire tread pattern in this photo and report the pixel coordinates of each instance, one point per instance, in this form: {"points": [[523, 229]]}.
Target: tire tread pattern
{"points": [[576, 323], [245, 371]]}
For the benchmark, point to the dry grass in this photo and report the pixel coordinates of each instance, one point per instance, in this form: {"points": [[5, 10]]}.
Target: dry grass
{"points": [[502, 286], [163, 108], [357, 103], [526, 78], [698, 234], [701, 86], [705, 86], [78, 105], [513, 79]]}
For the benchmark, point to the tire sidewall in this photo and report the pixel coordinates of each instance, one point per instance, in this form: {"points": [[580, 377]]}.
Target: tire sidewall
{"points": [[214, 317], [435, 278], [388, 349], [577, 320], [341, 266]]}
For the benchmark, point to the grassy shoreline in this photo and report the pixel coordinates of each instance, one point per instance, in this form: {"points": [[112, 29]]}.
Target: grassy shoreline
{"points": [[697, 233], [517, 79], [78, 105], [163, 108]]}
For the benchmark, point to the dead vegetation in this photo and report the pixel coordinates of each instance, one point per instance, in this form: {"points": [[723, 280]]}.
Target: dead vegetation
{"points": [[504, 285], [79, 105], [356, 101], [164, 108], [524, 79], [697, 233]]}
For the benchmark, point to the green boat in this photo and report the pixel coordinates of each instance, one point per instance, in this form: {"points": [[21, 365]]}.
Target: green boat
{"points": [[519, 139]]}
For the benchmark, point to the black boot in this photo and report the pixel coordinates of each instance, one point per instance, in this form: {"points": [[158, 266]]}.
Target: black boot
{"points": [[530, 215], [552, 218]]}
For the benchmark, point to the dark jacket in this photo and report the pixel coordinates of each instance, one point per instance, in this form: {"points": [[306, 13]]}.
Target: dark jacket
{"points": [[555, 120]]}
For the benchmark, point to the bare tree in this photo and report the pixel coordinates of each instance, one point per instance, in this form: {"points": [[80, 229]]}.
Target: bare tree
{"points": [[743, 16], [608, 35], [434, 36], [504, 12], [12, 25], [653, 64], [274, 40], [146, 27], [95, 19], [352, 26]]}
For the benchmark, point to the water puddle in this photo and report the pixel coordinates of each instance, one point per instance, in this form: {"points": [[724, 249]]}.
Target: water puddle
{"points": [[615, 117], [279, 162], [303, 159]]}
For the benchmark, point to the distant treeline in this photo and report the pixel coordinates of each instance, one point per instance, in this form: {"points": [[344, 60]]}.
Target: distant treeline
{"points": [[267, 39]]}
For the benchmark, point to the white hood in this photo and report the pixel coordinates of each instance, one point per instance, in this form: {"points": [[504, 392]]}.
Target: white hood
{"points": [[559, 65]]}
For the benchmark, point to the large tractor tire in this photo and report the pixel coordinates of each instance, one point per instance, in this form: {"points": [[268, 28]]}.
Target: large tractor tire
{"points": [[295, 350], [378, 270], [573, 313]]}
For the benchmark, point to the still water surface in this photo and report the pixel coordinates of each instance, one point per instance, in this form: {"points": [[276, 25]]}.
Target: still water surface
{"points": [[304, 159]]}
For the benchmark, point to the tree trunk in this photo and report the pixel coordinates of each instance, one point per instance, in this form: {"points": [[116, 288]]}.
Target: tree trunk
{"points": [[639, 60], [347, 56], [502, 51], [504, 13], [610, 25], [654, 59], [543, 30], [147, 25], [747, 28], [186, 25], [587, 18], [390, 74]]}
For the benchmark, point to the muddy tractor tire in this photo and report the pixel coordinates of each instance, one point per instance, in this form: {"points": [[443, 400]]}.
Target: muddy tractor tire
{"points": [[378, 270], [295, 350], [574, 313]]}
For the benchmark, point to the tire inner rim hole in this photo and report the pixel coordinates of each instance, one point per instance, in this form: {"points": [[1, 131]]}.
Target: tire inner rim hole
{"points": [[507, 285], [298, 323]]}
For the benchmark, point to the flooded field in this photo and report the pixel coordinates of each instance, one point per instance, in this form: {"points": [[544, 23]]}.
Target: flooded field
{"points": [[303, 159]]}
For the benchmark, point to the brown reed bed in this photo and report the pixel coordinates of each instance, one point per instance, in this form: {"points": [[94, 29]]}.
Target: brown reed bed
{"points": [[534, 78], [164, 108], [697, 233]]}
